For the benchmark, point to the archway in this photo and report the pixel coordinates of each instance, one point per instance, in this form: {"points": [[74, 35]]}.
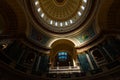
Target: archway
{"points": [[63, 53]]}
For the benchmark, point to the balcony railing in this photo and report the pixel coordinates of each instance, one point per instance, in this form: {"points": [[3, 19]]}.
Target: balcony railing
{"points": [[65, 69]]}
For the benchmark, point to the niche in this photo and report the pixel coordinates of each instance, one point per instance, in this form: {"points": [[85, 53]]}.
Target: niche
{"points": [[99, 57]]}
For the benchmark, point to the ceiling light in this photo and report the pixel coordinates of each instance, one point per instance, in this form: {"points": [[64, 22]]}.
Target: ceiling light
{"points": [[42, 15], [82, 7], [85, 1], [66, 23], [71, 21], [79, 13], [51, 22], [56, 24], [36, 2], [61, 24], [38, 9]]}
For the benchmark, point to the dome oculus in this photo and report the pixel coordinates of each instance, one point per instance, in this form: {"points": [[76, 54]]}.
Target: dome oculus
{"points": [[59, 2]]}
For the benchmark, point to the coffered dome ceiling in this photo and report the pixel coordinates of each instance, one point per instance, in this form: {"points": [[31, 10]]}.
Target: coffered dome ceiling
{"points": [[61, 16], [60, 10]]}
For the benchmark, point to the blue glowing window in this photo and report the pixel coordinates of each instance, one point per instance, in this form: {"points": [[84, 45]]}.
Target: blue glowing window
{"points": [[62, 56]]}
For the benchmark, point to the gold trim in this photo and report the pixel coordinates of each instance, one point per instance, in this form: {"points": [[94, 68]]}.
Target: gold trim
{"points": [[61, 3], [60, 13]]}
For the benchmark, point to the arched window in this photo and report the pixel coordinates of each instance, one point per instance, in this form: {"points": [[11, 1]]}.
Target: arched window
{"points": [[62, 56]]}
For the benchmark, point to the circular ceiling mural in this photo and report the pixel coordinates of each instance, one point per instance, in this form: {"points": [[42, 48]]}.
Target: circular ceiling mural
{"points": [[61, 15]]}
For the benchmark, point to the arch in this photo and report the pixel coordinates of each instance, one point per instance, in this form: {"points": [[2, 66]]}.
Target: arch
{"points": [[62, 45], [62, 41], [98, 56]]}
